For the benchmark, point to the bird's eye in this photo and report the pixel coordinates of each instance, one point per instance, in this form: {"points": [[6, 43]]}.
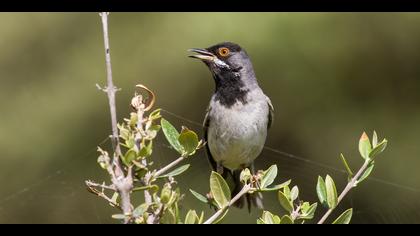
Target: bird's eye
{"points": [[224, 52]]}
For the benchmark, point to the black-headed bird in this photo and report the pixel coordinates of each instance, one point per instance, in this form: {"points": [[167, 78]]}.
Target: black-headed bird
{"points": [[238, 116]]}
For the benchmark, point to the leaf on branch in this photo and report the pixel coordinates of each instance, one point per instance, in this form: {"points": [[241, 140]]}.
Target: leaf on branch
{"points": [[286, 220], [332, 199], [188, 140], [378, 149], [285, 202], [171, 135], [294, 193], [321, 191], [276, 187], [309, 212], [268, 176], [374, 139], [219, 189], [268, 217], [349, 172], [191, 217], [345, 217], [199, 196], [176, 172], [366, 173], [364, 146]]}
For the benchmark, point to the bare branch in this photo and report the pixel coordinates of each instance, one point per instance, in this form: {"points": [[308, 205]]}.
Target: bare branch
{"points": [[91, 188], [123, 184]]}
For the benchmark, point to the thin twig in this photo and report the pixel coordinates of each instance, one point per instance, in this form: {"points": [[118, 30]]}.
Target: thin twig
{"points": [[169, 166], [123, 184], [214, 217], [101, 194], [348, 187]]}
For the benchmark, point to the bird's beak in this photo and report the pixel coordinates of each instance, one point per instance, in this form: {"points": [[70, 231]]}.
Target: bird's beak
{"points": [[203, 54]]}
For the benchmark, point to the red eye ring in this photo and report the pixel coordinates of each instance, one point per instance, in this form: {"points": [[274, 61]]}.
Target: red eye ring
{"points": [[224, 52]]}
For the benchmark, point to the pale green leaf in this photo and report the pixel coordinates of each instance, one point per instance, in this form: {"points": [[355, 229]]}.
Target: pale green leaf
{"points": [[345, 217], [364, 146], [332, 199], [176, 172], [378, 149], [321, 191], [171, 135], [285, 202], [199, 196], [219, 189], [191, 217], [188, 140], [286, 220], [269, 176]]}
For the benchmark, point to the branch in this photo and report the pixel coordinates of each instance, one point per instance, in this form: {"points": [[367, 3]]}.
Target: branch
{"points": [[169, 166], [214, 217], [123, 184], [348, 187], [91, 188]]}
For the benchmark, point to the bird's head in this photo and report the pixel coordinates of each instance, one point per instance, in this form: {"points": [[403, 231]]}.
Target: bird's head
{"points": [[226, 61]]}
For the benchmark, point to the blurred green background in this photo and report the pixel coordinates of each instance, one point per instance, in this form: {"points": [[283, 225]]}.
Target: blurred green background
{"points": [[330, 76]]}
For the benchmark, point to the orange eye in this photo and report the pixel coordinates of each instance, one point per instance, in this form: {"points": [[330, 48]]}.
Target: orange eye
{"points": [[224, 52]]}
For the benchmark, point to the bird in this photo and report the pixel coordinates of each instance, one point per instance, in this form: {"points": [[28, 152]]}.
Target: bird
{"points": [[238, 117]]}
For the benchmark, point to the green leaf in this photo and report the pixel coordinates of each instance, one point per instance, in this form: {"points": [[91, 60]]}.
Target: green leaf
{"points": [[286, 191], [140, 210], [153, 188], [188, 140], [129, 156], [268, 217], [191, 217], [245, 175], [349, 172], [366, 173], [364, 146], [285, 202], [374, 139], [269, 176], [321, 191], [219, 189], [276, 187], [152, 131], [277, 219], [331, 192], [176, 172], [260, 221], [155, 114], [199, 196], [294, 193], [171, 135], [378, 149], [286, 220], [146, 150], [168, 217], [118, 216], [345, 217], [310, 212]]}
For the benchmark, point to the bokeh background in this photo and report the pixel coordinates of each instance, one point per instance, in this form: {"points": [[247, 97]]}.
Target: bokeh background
{"points": [[330, 76]]}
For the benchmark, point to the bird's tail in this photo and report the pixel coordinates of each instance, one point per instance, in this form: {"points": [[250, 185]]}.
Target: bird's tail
{"points": [[255, 199]]}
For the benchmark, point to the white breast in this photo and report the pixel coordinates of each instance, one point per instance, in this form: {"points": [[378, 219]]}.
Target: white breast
{"points": [[237, 135]]}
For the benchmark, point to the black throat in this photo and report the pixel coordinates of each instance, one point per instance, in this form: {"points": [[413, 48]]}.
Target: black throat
{"points": [[230, 89]]}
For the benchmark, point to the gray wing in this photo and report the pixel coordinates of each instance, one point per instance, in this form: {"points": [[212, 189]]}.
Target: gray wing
{"points": [[270, 113], [206, 127]]}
